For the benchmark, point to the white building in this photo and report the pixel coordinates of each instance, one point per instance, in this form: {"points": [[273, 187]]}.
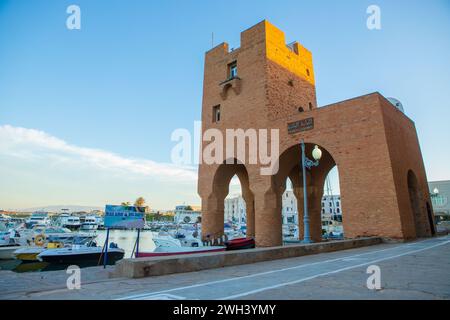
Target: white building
{"points": [[186, 214], [289, 208], [235, 209], [331, 208]]}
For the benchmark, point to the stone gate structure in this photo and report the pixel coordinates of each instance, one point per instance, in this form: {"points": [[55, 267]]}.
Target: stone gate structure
{"points": [[267, 84]]}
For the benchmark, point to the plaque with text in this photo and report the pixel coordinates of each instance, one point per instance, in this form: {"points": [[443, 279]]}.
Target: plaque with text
{"points": [[301, 125]]}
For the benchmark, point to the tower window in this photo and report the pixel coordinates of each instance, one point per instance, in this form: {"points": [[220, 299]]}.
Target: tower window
{"points": [[216, 114], [232, 70], [307, 72], [300, 109], [310, 106]]}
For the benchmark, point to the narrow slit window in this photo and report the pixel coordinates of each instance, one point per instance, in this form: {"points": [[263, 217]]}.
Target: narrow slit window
{"points": [[216, 114]]}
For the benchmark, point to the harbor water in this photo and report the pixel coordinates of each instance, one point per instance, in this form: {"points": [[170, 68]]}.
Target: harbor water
{"points": [[125, 239]]}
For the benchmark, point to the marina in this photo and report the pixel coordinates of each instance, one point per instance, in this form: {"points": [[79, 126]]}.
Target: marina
{"points": [[44, 242]]}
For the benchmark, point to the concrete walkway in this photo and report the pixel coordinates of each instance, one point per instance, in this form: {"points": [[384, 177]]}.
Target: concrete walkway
{"points": [[416, 270]]}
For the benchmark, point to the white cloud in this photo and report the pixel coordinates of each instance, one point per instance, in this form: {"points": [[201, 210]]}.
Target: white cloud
{"points": [[39, 146]]}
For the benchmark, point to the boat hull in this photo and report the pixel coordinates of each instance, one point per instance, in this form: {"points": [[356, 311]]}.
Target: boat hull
{"points": [[84, 258], [28, 255], [7, 252], [240, 244], [176, 253]]}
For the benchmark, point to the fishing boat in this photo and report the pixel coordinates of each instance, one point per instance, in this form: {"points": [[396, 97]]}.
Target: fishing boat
{"points": [[240, 244], [83, 254]]}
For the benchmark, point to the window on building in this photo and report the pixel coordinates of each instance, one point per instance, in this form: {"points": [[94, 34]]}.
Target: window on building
{"points": [[307, 72], [310, 106], [338, 210], [331, 210], [438, 200], [216, 114], [337, 203], [232, 70]]}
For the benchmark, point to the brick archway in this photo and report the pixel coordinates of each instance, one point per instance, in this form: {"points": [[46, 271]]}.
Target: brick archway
{"points": [[213, 224], [420, 209], [290, 167], [372, 142]]}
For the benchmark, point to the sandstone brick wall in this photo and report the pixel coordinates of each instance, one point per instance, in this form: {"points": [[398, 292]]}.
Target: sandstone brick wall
{"points": [[373, 145]]}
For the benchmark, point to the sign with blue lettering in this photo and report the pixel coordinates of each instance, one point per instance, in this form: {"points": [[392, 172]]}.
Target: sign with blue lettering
{"points": [[124, 217]]}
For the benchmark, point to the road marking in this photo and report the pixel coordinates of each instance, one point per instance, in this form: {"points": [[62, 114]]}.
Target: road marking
{"points": [[164, 297], [248, 276], [143, 295], [330, 272]]}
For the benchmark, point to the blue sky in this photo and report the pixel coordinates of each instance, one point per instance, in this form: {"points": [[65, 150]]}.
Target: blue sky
{"points": [[86, 115]]}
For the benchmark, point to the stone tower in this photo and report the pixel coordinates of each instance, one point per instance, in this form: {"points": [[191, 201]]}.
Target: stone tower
{"points": [[267, 84]]}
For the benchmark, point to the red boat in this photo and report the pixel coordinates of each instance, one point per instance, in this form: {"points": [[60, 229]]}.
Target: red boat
{"points": [[240, 244]]}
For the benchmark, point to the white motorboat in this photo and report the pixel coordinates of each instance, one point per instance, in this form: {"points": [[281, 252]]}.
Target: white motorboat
{"points": [[38, 217], [7, 252], [68, 221], [89, 223], [166, 245], [39, 235], [81, 254], [8, 245]]}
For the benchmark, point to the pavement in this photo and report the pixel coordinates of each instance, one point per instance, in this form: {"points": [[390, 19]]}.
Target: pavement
{"points": [[414, 270]]}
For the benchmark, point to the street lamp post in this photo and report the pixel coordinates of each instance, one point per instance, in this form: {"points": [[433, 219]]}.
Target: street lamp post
{"points": [[307, 163]]}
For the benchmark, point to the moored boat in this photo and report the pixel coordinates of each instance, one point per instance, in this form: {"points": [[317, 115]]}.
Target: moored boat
{"points": [[8, 244], [89, 223], [30, 254], [167, 245], [80, 254], [38, 217], [7, 252], [173, 251], [240, 244]]}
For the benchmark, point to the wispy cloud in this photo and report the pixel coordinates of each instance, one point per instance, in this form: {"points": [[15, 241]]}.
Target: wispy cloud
{"points": [[38, 145]]}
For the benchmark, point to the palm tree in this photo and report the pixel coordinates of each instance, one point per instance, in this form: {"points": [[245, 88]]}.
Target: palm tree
{"points": [[140, 202], [125, 204]]}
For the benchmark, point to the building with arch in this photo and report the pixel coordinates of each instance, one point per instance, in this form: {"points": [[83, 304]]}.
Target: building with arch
{"points": [[269, 85]]}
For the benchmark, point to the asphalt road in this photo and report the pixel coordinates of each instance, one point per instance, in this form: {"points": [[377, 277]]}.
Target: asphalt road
{"points": [[416, 270]]}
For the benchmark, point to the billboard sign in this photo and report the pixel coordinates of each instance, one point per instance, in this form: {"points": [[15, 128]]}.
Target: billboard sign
{"points": [[124, 217]]}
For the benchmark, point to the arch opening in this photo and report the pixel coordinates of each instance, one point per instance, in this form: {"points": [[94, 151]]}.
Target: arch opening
{"points": [[423, 225], [232, 203], [235, 210], [289, 211], [331, 212], [290, 172]]}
